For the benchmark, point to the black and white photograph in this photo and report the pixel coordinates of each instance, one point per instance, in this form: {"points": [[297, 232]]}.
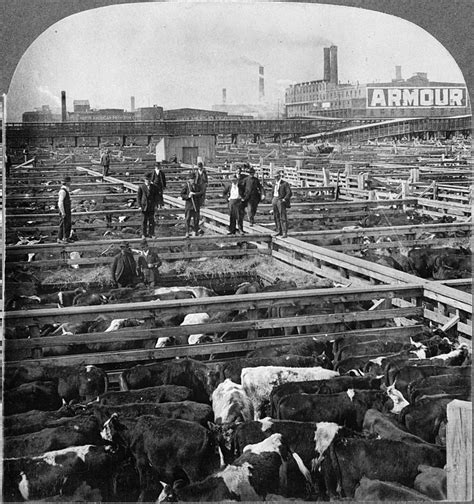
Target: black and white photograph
{"points": [[236, 258]]}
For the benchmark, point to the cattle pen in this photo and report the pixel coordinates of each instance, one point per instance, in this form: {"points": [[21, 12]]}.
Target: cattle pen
{"points": [[348, 267]]}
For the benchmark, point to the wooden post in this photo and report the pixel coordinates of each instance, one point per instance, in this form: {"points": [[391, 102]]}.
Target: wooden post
{"points": [[459, 451]]}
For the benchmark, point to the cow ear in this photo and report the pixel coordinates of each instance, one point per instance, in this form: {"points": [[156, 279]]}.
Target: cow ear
{"points": [[178, 484], [163, 484], [212, 426]]}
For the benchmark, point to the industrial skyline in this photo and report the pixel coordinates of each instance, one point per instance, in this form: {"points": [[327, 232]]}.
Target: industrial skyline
{"points": [[184, 55]]}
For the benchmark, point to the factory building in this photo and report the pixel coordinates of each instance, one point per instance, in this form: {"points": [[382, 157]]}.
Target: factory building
{"points": [[328, 97]]}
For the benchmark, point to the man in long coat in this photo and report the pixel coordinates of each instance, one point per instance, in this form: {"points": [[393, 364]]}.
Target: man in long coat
{"points": [[253, 194], [124, 267], [281, 201], [146, 197]]}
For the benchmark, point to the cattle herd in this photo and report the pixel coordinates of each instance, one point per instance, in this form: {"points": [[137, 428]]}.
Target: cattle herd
{"points": [[322, 419]]}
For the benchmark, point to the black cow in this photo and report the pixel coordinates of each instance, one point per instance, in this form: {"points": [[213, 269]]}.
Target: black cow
{"points": [[59, 472], [348, 460], [42, 395], [185, 410], [438, 385], [35, 420], [345, 408], [159, 394], [165, 449], [308, 348], [75, 431], [371, 348], [374, 490], [255, 474], [199, 377], [426, 418], [331, 386], [406, 374], [73, 383]]}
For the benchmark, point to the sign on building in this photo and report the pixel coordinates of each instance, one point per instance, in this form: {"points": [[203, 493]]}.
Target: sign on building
{"points": [[421, 97]]}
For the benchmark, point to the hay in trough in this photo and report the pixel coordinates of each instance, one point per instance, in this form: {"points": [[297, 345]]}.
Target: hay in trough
{"points": [[100, 276]]}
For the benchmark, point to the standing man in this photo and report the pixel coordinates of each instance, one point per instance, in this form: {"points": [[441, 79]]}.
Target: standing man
{"points": [[201, 179], [146, 198], [253, 194], [158, 179], [234, 193], [191, 194], [105, 162], [64, 206], [280, 202], [148, 264], [124, 267], [8, 164]]}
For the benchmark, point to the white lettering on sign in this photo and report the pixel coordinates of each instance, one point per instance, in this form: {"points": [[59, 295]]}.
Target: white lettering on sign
{"points": [[378, 98], [402, 97]]}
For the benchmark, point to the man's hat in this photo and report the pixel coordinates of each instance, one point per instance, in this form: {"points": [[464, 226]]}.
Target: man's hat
{"points": [[66, 179], [251, 170], [124, 244], [279, 173], [143, 244], [147, 176], [157, 163], [200, 165]]}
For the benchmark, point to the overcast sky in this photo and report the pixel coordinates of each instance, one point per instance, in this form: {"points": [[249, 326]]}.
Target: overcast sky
{"points": [[183, 54]]}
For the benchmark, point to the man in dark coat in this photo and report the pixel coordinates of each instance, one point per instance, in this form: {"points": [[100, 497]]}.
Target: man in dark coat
{"points": [[253, 194], [191, 194], [105, 162], [146, 198], [234, 193], [201, 179], [124, 268], [148, 264], [64, 206], [281, 193], [158, 179]]}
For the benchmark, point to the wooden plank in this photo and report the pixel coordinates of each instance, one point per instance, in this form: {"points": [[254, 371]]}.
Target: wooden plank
{"points": [[167, 256], [248, 325], [242, 302], [450, 323], [459, 451], [133, 356]]}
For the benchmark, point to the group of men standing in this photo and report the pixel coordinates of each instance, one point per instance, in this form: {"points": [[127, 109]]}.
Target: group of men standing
{"points": [[246, 192], [243, 192], [127, 272]]}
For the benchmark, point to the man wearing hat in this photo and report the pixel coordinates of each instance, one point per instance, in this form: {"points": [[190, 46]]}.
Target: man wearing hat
{"points": [[105, 162], [253, 194], [281, 201], [148, 264], [124, 267], [234, 193], [146, 198], [158, 179], [64, 205], [201, 180], [191, 194]]}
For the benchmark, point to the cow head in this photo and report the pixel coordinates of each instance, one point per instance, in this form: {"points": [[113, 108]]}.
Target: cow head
{"points": [[399, 402], [113, 430], [224, 436], [168, 494]]}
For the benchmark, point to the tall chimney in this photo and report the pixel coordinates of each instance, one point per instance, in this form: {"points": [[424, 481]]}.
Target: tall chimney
{"points": [[398, 73], [327, 65], [132, 103], [333, 65], [63, 107], [261, 83], [224, 96]]}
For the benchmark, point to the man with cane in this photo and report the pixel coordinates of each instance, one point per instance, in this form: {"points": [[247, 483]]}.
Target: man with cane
{"points": [[191, 194]]}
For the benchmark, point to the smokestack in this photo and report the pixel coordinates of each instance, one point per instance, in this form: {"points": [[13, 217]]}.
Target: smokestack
{"points": [[333, 65], [63, 107], [327, 65], [398, 73], [224, 96], [132, 104], [261, 83]]}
